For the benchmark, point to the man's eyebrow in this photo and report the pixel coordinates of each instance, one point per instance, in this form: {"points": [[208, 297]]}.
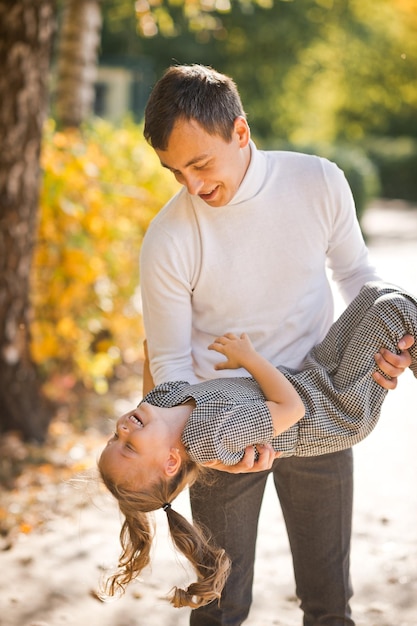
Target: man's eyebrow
{"points": [[194, 160]]}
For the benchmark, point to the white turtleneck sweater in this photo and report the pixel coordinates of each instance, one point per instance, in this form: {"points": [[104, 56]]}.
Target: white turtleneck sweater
{"points": [[255, 265]]}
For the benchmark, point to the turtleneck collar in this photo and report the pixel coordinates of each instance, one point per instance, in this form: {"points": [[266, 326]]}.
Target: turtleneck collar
{"points": [[254, 177]]}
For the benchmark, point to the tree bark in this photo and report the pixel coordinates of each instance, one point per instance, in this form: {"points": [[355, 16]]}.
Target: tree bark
{"points": [[77, 61], [26, 30]]}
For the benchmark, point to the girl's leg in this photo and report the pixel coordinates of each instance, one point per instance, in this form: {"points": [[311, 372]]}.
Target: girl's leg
{"points": [[343, 401], [379, 317]]}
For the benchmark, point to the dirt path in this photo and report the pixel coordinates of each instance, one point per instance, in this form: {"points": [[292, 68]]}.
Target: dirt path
{"points": [[48, 576]]}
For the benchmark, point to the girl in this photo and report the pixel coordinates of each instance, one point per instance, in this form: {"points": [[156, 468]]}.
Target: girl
{"points": [[331, 404]]}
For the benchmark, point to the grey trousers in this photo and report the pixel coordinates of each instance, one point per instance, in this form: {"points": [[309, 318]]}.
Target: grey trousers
{"points": [[316, 495]]}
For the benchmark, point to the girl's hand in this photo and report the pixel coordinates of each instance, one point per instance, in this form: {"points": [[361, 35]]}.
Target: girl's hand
{"points": [[237, 350]]}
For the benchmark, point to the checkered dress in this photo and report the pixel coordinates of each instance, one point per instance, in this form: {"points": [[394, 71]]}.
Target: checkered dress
{"points": [[341, 398]]}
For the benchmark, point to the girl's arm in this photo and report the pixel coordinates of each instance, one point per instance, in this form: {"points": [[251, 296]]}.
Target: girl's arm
{"points": [[283, 401]]}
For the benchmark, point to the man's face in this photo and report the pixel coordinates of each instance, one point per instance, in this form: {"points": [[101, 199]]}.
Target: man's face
{"points": [[207, 165]]}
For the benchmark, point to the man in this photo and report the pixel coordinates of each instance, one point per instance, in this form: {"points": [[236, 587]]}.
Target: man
{"points": [[244, 246]]}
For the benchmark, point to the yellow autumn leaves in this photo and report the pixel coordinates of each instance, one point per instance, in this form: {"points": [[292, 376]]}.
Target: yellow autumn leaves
{"points": [[101, 187]]}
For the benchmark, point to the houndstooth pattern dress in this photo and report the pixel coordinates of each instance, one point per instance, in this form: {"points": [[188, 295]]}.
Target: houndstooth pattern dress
{"points": [[342, 400]]}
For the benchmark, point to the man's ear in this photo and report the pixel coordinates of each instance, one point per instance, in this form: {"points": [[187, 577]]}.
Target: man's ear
{"points": [[242, 130], [172, 463]]}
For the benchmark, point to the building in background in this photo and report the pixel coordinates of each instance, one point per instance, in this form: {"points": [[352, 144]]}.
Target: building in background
{"points": [[122, 88]]}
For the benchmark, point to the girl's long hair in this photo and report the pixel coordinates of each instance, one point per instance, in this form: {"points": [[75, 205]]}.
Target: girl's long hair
{"points": [[210, 563]]}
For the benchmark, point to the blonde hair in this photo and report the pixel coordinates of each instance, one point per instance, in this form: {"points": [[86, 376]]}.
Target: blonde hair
{"points": [[210, 563]]}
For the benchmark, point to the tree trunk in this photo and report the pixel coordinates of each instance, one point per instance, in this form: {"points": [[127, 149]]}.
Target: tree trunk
{"points": [[26, 30], [77, 61]]}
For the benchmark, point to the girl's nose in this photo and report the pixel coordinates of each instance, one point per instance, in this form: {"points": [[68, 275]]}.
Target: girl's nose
{"points": [[122, 430]]}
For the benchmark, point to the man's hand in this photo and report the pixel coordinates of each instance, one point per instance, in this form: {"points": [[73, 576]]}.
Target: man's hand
{"points": [[393, 365], [249, 465]]}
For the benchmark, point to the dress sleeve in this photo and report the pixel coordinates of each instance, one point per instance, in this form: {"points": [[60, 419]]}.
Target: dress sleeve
{"points": [[215, 433], [167, 394]]}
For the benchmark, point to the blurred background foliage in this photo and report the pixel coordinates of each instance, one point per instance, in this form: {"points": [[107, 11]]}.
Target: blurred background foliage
{"points": [[335, 73], [308, 70], [101, 187], [331, 77]]}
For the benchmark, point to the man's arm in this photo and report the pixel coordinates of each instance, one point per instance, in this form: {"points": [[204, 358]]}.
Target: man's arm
{"points": [[147, 380], [167, 309]]}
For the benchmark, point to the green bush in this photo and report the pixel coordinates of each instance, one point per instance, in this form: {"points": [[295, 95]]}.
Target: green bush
{"points": [[396, 161]]}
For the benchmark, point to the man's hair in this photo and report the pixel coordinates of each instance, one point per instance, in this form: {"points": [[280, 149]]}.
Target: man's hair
{"points": [[191, 92]]}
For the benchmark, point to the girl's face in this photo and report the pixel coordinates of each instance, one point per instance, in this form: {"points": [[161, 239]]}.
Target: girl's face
{"points": [[141, 448]]}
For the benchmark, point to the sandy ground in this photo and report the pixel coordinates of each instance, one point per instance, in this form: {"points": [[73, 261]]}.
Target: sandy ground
{"points": [[49, 576]]}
